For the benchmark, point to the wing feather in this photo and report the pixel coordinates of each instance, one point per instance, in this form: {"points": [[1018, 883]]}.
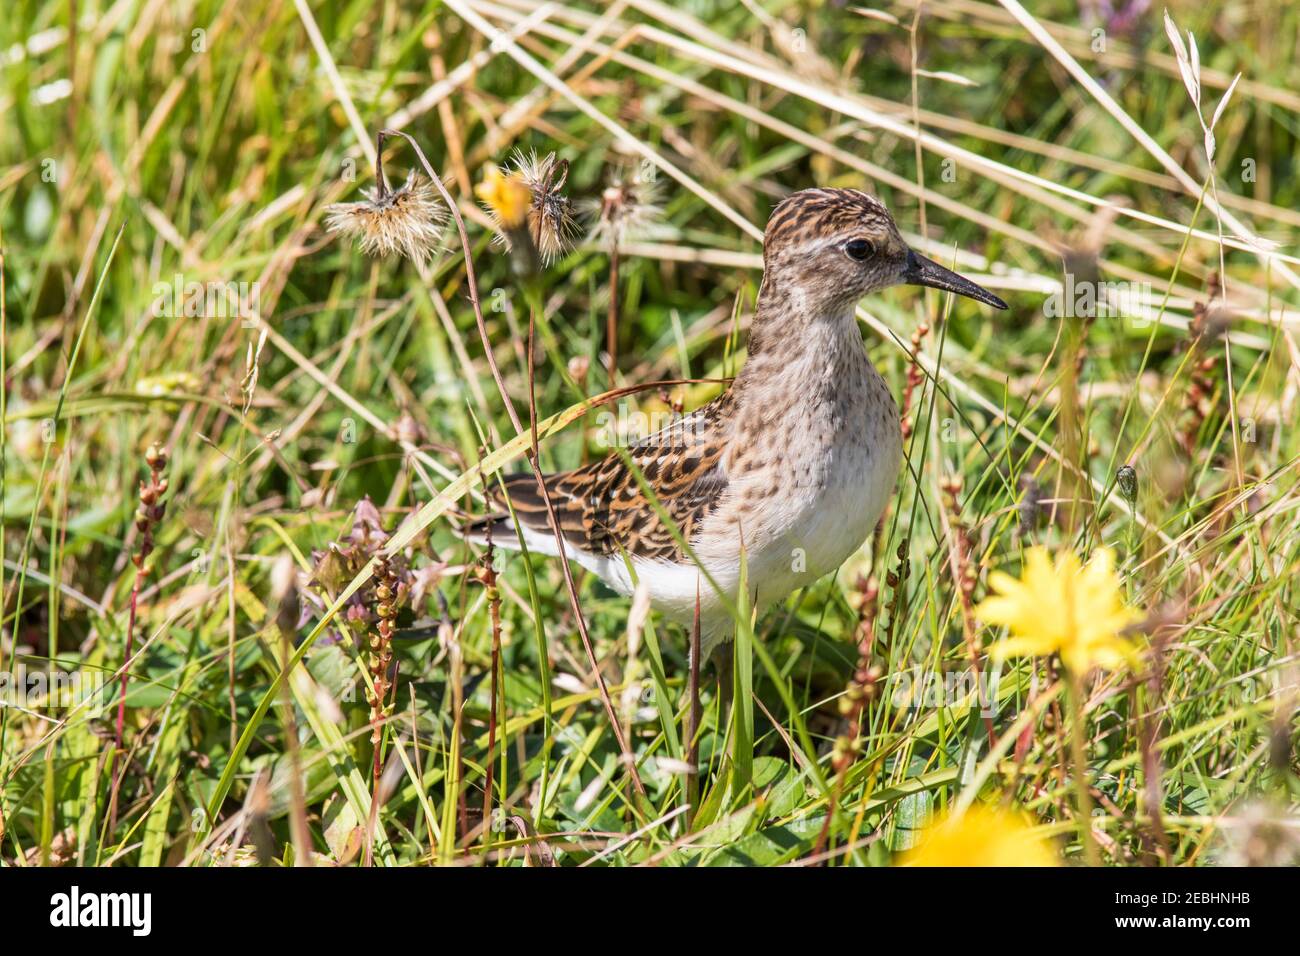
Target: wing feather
{"points": [[601, 507]]}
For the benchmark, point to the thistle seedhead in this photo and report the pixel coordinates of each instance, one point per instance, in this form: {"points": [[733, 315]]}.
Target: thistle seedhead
{"points": [[628, 210], [529, 194], [406, 221], [550, 213]]}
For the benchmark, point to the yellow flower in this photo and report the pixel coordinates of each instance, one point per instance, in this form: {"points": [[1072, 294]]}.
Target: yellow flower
{"points": [[981, 837], [1075, 610], [508, 198], [168, 383]]}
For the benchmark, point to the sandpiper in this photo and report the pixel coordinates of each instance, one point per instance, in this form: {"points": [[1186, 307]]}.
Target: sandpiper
{"points": [[794, 463]]}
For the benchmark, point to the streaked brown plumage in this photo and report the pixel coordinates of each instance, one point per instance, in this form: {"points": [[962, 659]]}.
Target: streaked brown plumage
{"points": [[794, 463], [602, 508]]}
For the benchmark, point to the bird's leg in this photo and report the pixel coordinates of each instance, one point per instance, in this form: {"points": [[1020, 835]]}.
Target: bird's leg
{"points": [[721, 658], [693, 722]]}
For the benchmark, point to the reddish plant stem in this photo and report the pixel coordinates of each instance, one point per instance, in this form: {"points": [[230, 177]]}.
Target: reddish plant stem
{"points": [[860, 691], [494, 610], [579, 618], [120, 723], [148, 514]]}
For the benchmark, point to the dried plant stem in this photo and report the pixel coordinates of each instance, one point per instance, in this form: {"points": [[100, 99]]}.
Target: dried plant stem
{"points": [[456, 669], [532, 456], [299, 831], [1147, 705], [914, 378], [860, 691], [579, 618], [1073, 484], [119, 723], [611, 318], [964, 577]]}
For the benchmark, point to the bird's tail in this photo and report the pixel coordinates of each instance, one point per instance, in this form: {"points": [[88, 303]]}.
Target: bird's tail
{"points": [[529, 508]]}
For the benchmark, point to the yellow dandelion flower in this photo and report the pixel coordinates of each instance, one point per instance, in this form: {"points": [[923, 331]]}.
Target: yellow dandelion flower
{"points": [[1062, 607], [508, 198], [981, 837]]}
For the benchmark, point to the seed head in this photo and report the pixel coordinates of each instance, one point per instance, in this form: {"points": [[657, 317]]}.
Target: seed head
{"points": [[406, 221], [1127, 479], [540, 204], [626, 211], [156, 458]]}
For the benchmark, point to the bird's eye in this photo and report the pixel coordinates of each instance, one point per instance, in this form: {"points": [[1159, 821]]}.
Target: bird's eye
{"points": [[859, 249]]}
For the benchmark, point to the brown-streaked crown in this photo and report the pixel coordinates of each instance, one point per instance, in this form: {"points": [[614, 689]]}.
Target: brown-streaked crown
{"points": [[812, 214], [832, 246], [827, 248]]}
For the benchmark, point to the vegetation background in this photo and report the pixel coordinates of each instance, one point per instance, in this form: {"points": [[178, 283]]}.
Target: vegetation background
{"points": [[149, 146]]}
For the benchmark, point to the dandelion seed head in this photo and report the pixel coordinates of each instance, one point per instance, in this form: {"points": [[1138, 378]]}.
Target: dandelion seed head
{"points": [[406, 221], [628, 210]]}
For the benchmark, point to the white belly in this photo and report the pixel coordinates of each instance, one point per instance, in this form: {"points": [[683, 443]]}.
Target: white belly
{"points": [[796, 537]]}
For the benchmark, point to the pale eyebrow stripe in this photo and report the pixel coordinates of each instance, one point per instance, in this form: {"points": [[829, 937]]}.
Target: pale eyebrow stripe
{"points": [[819, 243]]}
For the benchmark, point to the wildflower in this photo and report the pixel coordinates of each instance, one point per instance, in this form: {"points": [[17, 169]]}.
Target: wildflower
{"points": [[527, 205], [505, 196], [168, 383], [981, 837], [341, 561], [406, 221], [550, 213], [1062, 607], [627, 210]]}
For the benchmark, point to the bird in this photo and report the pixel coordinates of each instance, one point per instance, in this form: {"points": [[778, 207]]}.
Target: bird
{"points": [[793, 464]]}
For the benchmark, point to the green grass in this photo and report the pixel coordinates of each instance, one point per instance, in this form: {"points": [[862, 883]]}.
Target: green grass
{"points": [[214, 154]]}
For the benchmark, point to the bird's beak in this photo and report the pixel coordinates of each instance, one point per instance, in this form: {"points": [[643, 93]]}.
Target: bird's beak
{"points": [[922, 271]]}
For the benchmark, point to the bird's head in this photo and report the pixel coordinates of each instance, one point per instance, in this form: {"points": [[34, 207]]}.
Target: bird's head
{"points": [[831, 247]]}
